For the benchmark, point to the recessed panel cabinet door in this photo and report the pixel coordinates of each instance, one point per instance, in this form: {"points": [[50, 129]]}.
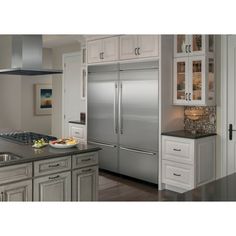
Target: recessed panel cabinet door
{"points": [[128, 47], [17, 192], [110, 49], [55, 187], [148, 45], [85, 184], [94, 51]]}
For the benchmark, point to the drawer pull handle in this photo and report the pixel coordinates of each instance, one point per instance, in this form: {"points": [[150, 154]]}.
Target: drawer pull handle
{"points": [[176, 174], [52, 166], [177, 150], [77, 133], [54, 177], [88, 159], [87, 170]]}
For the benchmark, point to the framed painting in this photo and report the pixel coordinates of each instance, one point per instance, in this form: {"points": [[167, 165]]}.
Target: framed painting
{"points": [[43, 99]]}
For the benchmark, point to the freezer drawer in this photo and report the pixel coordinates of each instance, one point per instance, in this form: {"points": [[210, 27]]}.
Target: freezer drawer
{"points": [[139, 165], [107, 157]]}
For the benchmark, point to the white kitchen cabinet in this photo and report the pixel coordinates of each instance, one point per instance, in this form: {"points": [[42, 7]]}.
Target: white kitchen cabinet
{"points": [[84, 184], [194, 81], [193, 45], [187, 163], [139, 46], [20, 191], [78, 131], [102, 50], [56, 187]]}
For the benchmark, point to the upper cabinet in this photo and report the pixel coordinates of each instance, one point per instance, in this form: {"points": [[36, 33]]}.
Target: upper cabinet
{"points": [[103, 50], [139, 46], [193, 45], [194, 65]]}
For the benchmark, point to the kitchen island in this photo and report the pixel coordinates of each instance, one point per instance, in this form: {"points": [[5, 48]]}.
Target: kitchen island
{"points": [[223, 189], [48, 174]]}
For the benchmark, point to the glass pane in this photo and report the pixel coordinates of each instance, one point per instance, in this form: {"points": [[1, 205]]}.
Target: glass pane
{"points": [[211, 43], [181, 70], [211, 79], [197, 79], [197, 43], [181, 42]]}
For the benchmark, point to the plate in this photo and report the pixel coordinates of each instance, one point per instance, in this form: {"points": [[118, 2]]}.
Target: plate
{"points": [[57, 145]]}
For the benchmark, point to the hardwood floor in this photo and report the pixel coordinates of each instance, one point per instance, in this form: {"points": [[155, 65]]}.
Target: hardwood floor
{"points": [[114, 187]]}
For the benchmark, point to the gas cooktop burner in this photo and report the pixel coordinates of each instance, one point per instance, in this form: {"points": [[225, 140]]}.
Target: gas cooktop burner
{"points": [[26, 137]]}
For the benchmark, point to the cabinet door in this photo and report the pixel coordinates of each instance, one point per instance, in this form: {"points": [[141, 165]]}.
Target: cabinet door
{"points": [[181, 45], [181, 81], [128, 47], [85, 184], [17, 192], [94, 51], [110, 49], [55, 187], [197, 44], [197, 80], [148, 45]]}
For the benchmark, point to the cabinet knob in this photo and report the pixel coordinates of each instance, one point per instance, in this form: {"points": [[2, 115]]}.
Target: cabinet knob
{"points": [[186, 96], [189, 96]]}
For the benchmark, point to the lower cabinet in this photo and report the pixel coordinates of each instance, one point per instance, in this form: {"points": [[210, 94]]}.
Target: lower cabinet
{"points": [[84, 184], [20, 191], [55, 187]]}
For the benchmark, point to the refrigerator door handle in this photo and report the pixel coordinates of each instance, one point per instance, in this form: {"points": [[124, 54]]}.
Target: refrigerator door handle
{"points": [[138, 151], [115, 109], [120, 110], [102, 144]]}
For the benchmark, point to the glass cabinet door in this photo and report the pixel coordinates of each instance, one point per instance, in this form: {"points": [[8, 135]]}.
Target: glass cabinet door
{"points": [[211, 80], [180, 80], [181, 44], [197, 44], [196, 80]]}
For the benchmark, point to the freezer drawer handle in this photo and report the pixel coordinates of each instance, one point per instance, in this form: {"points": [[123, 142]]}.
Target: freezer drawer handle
{"points": [[176, 149], [102, 144], [138, 151], [176, 174]]}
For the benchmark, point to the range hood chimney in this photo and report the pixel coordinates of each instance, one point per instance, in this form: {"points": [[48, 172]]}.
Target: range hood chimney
{"points": [[26, 58]]}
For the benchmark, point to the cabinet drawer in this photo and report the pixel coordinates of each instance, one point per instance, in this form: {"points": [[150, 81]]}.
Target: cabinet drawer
{"points": [[178, 175], [77, 132], [51, 166], [83, 160], [15, 173], [178, 149]]}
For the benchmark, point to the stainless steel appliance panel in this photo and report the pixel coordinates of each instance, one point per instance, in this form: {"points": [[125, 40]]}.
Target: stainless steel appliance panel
{"points": [[102, 106], [139, 164], [138, 104], [108, 156]]}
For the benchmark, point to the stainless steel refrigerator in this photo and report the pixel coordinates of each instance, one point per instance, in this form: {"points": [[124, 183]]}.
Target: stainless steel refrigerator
{"points": [[123, 117]]}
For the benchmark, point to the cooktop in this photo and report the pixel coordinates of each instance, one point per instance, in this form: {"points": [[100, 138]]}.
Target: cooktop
{"points": [[26, 137]]}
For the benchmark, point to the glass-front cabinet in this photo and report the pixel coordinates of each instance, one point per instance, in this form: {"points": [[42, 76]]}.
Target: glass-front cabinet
{"points": [[194, 81], [193, 45]]}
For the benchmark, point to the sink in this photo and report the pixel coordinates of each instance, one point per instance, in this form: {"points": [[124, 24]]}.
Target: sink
{"points": [[5, 157]]}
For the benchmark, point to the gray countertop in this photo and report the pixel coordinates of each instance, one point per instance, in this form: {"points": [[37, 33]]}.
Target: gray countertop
{"points": [[28, 153], [187, 134]]}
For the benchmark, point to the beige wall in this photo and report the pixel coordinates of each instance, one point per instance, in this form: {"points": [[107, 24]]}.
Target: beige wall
{"points": [[17, 94], [57, 54]]}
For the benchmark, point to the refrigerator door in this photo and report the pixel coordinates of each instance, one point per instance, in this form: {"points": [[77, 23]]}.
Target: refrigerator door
{"points": [[102, 104], [138, 107], [138, 164]]}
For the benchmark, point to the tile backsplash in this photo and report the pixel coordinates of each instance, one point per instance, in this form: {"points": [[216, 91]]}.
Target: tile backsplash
{"points": [[206, 123]]}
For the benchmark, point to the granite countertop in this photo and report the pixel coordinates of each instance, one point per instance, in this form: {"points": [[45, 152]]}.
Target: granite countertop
{"points": [[219, 190], [29, 154], [187, 134], [77, 122]]}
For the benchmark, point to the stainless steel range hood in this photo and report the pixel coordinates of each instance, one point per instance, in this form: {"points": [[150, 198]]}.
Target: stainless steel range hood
{"points": [[26, 58]]}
